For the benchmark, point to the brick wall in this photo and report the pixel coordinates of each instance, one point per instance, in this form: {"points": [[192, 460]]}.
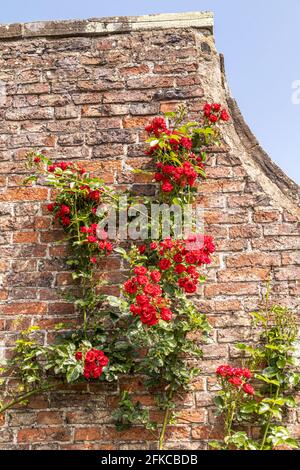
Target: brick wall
{"points": [[76, 92]]}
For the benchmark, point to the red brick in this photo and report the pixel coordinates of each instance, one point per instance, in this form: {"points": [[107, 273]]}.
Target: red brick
{"points": [[25, 237], [22, 308], [233, 289], [253, 259], [49, 417], [43, 434], [265, 216], [207, 432], [243, 274], [291, 273], [245, 231], [24, 194], [90, 433]]}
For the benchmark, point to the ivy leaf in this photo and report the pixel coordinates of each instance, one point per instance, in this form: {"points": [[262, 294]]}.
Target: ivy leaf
{"points": [[74, 373]]}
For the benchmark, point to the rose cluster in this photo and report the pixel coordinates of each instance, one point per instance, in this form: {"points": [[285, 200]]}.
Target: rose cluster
{"points": [[64, 166], [178, 172], [146, 296], [170, 175], [62, 212], [95, 243], [179, 260], [94, 361], [215, 113], [238, 377]]}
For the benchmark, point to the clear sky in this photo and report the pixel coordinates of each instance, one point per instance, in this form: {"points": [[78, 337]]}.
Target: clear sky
{"points": [[260, 40]]}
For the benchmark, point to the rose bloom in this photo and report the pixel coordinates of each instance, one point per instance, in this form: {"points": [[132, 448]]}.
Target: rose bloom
{"points": [[236, 381], [167, 187], [155, 276], [140, 270], [142, 300], [142, 280], [148, 316], [78, 356], [164, 264], [180, 269], [166, 314], [248, 389], [130, 286], [190, 287]]}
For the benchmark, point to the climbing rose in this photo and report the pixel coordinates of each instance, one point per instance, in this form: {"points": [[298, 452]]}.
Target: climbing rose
{"points": [[167, 187], [236, 381], [224, 115], [166, 314], [94, 362], [78, 356], [248, 389], [164, 264]]}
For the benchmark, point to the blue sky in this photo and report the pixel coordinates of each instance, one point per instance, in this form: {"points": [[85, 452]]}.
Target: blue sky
{"points": [[260, 41]]}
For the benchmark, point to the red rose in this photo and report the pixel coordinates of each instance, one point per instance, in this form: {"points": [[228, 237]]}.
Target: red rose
{"points": [[158, 177], [165, 314], [37, 159], [164, 264], [248, 389], [153, 246], [90, 355], [92, 239], [191, 258], [148, 316], [167, 187], [152, 290], [66, 221], [130, 287], [246, 373], [78, 356], [93, 259], [65, 210], [213, 118], [140, 270], [142, 249], [101, 358], [51, 207], [190, 287], [177, 258], [216, 107], [207, 109], [236, 381], [155, 276], [224, 115], [96, 372], [179, 269], [142, 280], [135, 309], [142, 300]]}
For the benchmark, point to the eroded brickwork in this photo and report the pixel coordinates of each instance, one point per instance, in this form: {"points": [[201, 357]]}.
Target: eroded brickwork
{"points": [[88, 99]]}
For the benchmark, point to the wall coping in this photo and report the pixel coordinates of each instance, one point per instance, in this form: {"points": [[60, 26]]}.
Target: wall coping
{"points": [[109, 25]]}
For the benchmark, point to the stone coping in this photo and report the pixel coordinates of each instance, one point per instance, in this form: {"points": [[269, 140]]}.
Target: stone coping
{"points": [[109, 25]]}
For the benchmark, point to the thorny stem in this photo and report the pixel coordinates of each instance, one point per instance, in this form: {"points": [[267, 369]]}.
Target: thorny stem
{"points": [[24, 397], [165, 423]]}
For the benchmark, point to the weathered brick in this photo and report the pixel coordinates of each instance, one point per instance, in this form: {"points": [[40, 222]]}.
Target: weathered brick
{"points": [[243, 274], [28, 308], [253, 259]]}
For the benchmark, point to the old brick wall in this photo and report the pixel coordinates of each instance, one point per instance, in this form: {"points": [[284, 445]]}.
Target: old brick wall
{"points": [[76, 92]]}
